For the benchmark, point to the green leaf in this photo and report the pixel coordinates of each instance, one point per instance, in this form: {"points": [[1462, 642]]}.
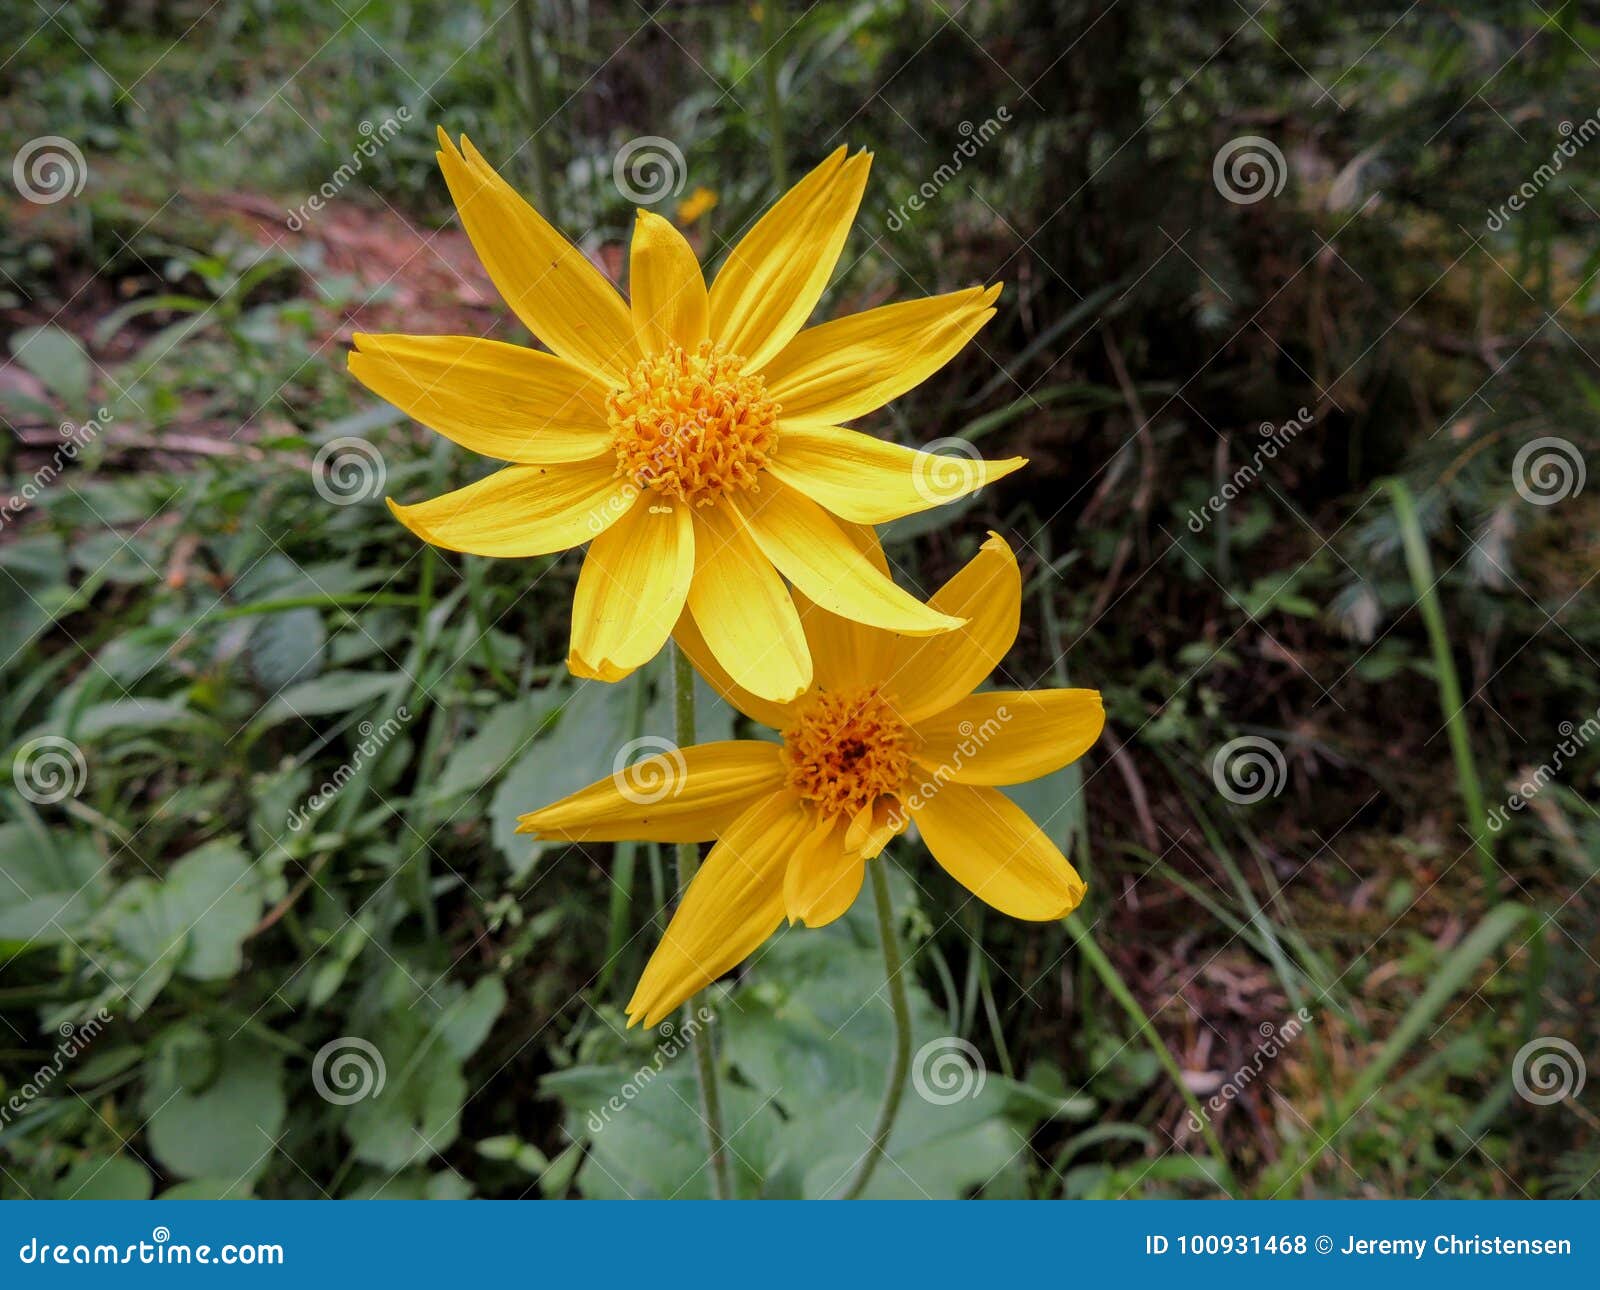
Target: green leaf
{"points": [[57, 359], [466, 1022], [210, 1189], [330, 692], [287, 647], [225, 1128], [809, 1034], [414, 1112], [414, 1184], [49, 884], [646, 1138], [106, 1178], [581, 749], [143, 715], [485, 755], [197, 917]]}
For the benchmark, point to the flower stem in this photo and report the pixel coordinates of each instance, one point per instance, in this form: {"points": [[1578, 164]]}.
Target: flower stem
{"points": [[772, 34], [900, 1058], [625, 855], [705, 1057]]}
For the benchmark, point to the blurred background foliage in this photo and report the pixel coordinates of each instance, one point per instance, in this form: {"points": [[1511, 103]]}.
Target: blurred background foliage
{"points": [[220, 643]]}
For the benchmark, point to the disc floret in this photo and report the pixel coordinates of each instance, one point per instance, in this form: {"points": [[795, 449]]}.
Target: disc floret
{"points": [[692, 425], [847, 749]]}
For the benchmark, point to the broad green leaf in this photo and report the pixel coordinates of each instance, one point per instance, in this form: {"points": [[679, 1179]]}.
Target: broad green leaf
{"points": [[509, 729], [49, 884], [226, 1128], [414, 1184], [413, 1111], [106, 1178], [210, 1189], [589, 731], [809, 1035], [58, 359], [287, 647], [197, 916]]}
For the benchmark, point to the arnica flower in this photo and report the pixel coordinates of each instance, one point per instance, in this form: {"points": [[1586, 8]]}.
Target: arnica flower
{"points": [[891, 732], [694, 436]]}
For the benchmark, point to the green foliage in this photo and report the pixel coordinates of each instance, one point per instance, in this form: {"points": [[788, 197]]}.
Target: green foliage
{"points": [[803, 1039], [289, 856]]}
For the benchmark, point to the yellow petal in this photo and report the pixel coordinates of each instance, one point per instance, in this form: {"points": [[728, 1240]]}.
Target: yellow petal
{"points": [[669, 295], [524, 510], [772, 280], [846, 654], [987, 843], [499, 400], [813, 552], [822, 879], [870, 481], [743, 610], [1008, 736], [734, 903], [927, 676], [874, 827], [692, 643], [670, 795], [549, 284], [631, 591], [840, 370]]}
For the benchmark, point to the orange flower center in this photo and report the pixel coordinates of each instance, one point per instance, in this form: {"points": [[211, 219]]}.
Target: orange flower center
{"points": [[693, 426], [846, 749]]}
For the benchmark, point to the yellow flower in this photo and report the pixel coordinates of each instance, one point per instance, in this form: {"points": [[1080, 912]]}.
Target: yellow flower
{"points": [[693, 435], [891, 731], [696, 204]]}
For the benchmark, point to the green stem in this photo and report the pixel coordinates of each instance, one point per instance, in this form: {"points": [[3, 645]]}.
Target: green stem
{"points": [[772, 37], [1420, 567], [705, 1057], [624, 856], [900, 1058]]}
